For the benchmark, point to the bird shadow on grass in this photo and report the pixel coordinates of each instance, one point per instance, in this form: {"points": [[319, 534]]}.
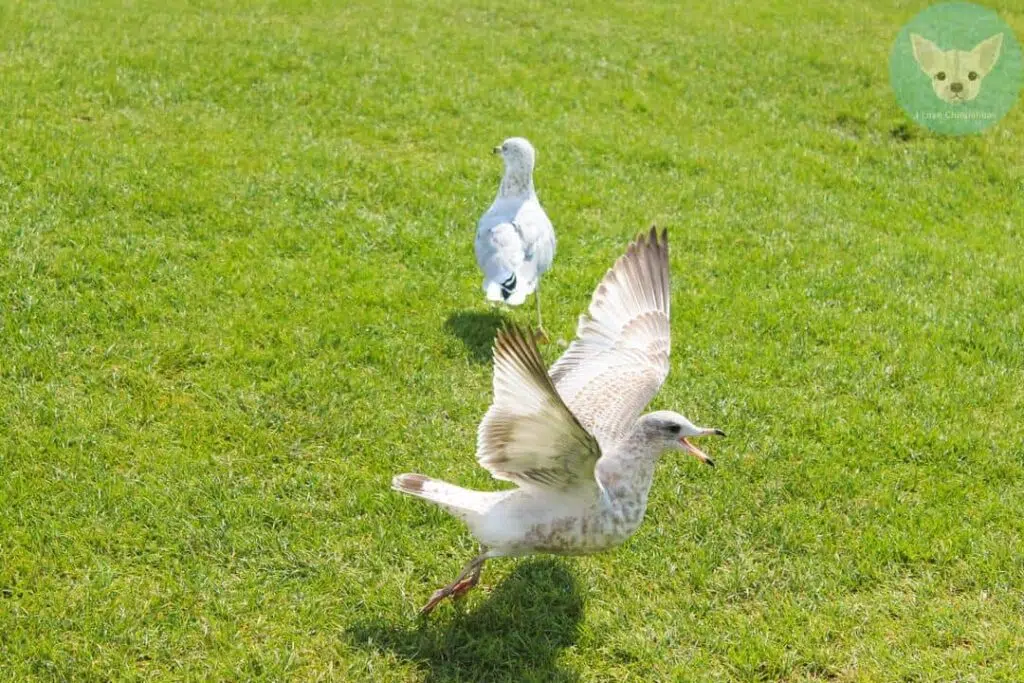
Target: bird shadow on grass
{"points": [[477, 330], [515, 635]]}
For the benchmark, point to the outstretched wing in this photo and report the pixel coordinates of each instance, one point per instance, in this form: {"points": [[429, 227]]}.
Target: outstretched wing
{"points": [[619, 359], [528, 435]]}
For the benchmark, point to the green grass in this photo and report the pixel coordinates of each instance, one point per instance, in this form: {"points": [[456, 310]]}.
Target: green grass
{"points": [[237, 294]]}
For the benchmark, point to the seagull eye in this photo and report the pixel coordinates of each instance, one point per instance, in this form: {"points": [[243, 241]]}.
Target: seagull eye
{"points": [[973, 76], [674, 428], [941, 76]]}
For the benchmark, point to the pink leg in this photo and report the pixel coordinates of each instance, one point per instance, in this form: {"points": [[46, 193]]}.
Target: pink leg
{"points": [[464, 586], [467, 578]]}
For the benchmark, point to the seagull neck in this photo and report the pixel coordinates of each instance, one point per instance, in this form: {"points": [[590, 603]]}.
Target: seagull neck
{"points": [[517, 183], [629, 472]]}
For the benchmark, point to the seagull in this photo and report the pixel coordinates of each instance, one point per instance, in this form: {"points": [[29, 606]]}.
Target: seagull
{"points": [[573, 440], [515, 242]]}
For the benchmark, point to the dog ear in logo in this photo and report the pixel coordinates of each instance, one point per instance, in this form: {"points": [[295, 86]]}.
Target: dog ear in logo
{"points": [[956, 75]]}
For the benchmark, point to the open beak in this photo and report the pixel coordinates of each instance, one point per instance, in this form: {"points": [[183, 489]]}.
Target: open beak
{"points": [[496, 150], [696, 452]]}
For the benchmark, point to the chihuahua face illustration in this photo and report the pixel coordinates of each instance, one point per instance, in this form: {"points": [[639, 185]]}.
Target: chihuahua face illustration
{"points": [[956, 75]]}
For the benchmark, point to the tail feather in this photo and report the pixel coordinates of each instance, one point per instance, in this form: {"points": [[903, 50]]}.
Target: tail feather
{"points": [[492, 290], [512, 290], [460, 502]]}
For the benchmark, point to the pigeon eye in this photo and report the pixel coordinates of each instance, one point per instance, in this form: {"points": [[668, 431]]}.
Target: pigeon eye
{"points": [[973, 76], [674, 428], [941, 76]]}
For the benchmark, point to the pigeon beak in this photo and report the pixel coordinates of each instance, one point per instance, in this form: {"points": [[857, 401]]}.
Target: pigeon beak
{"points": [[496, 150], [696, 452]]}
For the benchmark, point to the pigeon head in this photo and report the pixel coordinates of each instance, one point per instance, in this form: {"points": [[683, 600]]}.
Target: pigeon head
{"points": [[676, 431], [518, 155]]}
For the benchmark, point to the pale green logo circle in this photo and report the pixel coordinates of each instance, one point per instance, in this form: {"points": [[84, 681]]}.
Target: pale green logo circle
{"points": [[956, 68]]}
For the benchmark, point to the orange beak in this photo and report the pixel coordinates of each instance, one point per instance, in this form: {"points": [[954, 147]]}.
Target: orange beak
{"points": [[696, 452]]}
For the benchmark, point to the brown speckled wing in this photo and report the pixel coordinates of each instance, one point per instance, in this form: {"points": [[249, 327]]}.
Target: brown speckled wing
{"points": [[619, 359], [528, 435]]}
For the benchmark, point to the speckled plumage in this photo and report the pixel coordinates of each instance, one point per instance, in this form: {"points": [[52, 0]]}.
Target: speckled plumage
{"points": [[573, 441]]}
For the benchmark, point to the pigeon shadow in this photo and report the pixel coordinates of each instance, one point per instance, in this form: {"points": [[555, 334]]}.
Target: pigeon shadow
{"points": [[515, 635], [477, 330]]}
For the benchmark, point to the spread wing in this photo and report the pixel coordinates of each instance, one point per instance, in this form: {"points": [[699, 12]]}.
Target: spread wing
{"points": [[528, 435], [619, 359]]}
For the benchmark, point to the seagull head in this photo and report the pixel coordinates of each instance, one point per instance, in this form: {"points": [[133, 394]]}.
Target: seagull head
{"points": [[676, 431], [517, 153]]}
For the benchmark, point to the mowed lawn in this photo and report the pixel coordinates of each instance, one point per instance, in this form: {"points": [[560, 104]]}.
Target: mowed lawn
{"points": [[237, 294]]}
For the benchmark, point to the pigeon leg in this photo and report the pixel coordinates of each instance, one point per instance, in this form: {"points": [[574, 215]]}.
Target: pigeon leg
{"points": [[541, 335], [467, 578]]}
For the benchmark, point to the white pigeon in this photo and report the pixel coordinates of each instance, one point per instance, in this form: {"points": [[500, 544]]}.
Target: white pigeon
{"points": [[573, 441], [515, 242]]}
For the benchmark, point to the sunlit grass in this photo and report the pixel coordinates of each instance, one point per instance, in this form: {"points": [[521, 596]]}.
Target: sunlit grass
{"points": [[237, 293]]}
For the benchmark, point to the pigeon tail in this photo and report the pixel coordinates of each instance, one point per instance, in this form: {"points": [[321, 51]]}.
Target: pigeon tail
{"points": [[512, 290], [508, 286], [492, 290]]}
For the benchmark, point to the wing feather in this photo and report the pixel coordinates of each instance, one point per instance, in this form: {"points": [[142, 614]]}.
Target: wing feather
{"points": [[529, 436], [620, 356]]}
